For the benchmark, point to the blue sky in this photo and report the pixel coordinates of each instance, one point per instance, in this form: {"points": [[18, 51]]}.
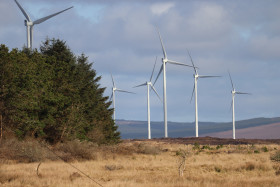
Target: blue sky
{"points": [[120, 38]]}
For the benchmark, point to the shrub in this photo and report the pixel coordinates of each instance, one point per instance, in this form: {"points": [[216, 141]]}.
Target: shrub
{"points": [[207, 147], [24, 151], [196, 146], [275, 156], [264, 149], [219, 147], [148, 149], [256, 151], [181, 152], [78, 150]]}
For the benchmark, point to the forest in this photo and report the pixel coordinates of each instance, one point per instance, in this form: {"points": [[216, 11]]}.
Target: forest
{"points": [[53, 95]]}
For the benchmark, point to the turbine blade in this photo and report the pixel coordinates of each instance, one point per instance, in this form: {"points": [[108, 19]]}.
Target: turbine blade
{"points": [[38, 21], [207, 76], [154, 89], [111, 97], [23, 11], [192, 93], [243, 93], [163, 50], [231, 80], [161, 68], [153, 70], [113, 81], [192, 62], [144, 84], [178, 63], [119, 90]]}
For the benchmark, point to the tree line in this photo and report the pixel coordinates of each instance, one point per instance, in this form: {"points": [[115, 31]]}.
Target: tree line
{"points": [[54, 95]]}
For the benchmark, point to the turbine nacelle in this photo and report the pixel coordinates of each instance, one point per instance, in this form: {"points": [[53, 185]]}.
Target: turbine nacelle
{"points": [[164, 60], [28, 23]]}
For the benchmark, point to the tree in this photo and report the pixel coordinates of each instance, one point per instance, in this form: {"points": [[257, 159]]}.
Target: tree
{"points": [[53, 94]]}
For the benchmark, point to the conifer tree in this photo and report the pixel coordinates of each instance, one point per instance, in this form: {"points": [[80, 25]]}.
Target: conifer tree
{"points": [[53, 94]]}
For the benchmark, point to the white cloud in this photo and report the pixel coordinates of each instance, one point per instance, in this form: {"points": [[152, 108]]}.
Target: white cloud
{"points": [[161, 8]]}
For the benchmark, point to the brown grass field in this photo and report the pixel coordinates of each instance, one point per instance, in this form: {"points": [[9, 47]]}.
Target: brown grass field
{"points": [[145, 163]]}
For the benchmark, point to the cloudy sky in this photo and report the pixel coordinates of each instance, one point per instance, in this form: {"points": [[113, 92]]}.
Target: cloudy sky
{"points": [[120, 37]]}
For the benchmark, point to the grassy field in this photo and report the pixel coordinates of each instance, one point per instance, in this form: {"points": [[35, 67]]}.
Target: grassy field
{"points": [[150, 164]]}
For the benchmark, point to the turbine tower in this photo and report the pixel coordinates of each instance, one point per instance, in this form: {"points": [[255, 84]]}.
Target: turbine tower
{"points": [[163, 68], [149, 84], [114, 89], [196, 76], [233, 92], [30, 24]]}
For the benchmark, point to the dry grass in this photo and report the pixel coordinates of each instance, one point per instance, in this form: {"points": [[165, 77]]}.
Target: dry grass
{"points": [[154, 164]]}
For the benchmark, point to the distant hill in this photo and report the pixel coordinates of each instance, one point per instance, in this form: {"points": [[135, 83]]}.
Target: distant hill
{"points": [[138, 129], [268, 131]]}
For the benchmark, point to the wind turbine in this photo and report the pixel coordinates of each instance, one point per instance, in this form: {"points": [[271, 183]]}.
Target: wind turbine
{"points": [[114, 89], [233, 92], [30, 24], [163, 68], [196, 76], [149, 84]]}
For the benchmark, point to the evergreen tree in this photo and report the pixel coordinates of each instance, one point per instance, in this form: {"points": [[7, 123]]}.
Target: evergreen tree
{"points": [[54, 95]]}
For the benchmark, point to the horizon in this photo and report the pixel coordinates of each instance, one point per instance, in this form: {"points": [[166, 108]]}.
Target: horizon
{"points": [[200, 121]]}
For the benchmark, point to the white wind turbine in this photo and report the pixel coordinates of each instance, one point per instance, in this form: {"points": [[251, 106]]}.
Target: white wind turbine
{"points": [[196, 76], [233, 92], [114, 88], [29, 23], [149, 84], [163, 68]]}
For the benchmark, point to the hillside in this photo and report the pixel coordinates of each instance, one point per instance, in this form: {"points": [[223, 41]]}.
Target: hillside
{"points": [[138, 129], [270, 131]]}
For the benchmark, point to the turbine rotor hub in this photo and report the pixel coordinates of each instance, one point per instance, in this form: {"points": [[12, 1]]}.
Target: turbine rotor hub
{"points": [[28, 23]]}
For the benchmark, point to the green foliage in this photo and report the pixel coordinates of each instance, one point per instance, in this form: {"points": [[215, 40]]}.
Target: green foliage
{"points": [[196, 146], [207, 147], [276, 156], [256, 151], [219, 147], [264, 149], [180, 152], [54, 95]]}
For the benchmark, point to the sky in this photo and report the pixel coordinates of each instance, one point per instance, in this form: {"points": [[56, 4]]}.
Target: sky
{"points": [[120, 38]]}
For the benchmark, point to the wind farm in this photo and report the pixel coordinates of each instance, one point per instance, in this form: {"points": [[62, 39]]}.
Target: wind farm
{"points": [[92, 98], [162, 70]]}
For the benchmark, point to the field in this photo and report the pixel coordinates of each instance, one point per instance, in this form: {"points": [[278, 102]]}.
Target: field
{"points": [[160, 162]]}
